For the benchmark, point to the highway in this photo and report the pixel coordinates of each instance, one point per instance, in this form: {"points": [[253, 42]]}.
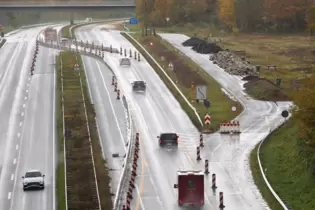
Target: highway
{"points": [[158, 111], [110, 116], [27, 110]]}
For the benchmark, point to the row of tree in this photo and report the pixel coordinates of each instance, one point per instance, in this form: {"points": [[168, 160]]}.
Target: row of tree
{"points": [[244, 15]]}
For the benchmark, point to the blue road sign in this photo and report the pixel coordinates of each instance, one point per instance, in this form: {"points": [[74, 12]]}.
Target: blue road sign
{"points": [[133, 21]]}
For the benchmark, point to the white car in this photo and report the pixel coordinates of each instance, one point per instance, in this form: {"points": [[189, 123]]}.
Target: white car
{"points": [[124, 62], [33, 179]]}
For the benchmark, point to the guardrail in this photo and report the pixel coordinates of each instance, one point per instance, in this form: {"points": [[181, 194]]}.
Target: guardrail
{"points": [[284, 206], [68, 3], [123, 181], [179, 91]]}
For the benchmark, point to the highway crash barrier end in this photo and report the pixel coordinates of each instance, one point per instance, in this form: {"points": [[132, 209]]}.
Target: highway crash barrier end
{"points": [[230, 127]]}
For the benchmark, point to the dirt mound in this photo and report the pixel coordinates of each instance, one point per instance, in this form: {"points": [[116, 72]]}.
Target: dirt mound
{"points": [[194, 41], [250, 78], [263, 89], [201, 46]]}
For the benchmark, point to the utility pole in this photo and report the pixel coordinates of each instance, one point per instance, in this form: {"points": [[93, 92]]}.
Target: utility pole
{"points": [[145, 18]]}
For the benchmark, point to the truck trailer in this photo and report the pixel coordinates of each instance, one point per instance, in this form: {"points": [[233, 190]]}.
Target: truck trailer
{"points": [[190, 185]]}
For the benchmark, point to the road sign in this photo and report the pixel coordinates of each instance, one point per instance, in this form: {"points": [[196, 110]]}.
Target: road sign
{"points": [[207, 119], [133, 21], [170, 66], [50, 34], [285, 114], [201, 92], [207, 103], [76, 67]]}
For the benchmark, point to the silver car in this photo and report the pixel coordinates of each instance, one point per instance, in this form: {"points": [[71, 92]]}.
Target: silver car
{"points": [[33, 179]]}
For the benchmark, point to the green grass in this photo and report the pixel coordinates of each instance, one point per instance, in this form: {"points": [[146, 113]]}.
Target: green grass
{"points": [[102, 171], [221, 104], [286, 170], [60, 173], [65, 31]]}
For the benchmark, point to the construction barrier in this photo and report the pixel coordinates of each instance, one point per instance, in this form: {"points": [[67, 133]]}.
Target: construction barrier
{"points": [[230, 127]]}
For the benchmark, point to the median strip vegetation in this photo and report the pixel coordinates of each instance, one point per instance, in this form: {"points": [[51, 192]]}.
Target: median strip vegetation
{"points": [[185, 72], [81, 134]]}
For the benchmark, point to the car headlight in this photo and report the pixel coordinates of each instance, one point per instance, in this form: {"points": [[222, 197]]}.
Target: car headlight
{"points": [[25, 183], [41, 181]]}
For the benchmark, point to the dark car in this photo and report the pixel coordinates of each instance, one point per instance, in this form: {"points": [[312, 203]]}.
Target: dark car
{"points": [[139, 86], [168, 139]]}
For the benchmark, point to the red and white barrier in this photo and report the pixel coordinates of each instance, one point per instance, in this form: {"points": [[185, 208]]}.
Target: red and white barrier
{"points": [[230, 127]]}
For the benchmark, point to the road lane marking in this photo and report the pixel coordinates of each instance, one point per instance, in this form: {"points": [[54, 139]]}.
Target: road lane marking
{"points": [[26, 91], [28, 84], [17, 147], [9, 195], [29, 78], [12, 177], [23, 105], [25, 98], [146, 163], [142, 174], [14, 161], [18, 135], [21, 123], [22, 114]]}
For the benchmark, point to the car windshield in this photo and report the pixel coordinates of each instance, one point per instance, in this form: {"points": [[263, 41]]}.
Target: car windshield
{"points": [[33, 174], [139, 83], [169, 136]]}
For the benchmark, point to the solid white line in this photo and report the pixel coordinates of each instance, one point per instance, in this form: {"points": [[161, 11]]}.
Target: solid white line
{"points": [[22, 114], [20, 123], [9, 195], [14, 161], [12, 177], [54, 140], [17, 147]]}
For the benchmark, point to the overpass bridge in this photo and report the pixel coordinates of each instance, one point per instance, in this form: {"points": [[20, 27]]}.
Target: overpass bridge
{"points": [[66, 5]]}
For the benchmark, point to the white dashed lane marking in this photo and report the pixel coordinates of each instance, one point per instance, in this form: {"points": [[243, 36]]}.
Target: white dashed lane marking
{"points": [[17, 147], [22, 114], [9, 195], [14, 161], [12, 177], [25, 98], [23, 105], [18, 135], [21, 123]]}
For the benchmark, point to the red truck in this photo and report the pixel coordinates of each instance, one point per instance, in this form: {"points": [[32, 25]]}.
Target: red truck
{"points": [[190, 185]]}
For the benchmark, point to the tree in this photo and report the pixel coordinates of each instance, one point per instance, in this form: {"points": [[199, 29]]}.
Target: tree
{"points": [[310, 19], [248, 14], [226, 13]]}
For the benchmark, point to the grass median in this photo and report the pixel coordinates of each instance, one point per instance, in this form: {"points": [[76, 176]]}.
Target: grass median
{"points": [[285, 169], [60, 173], [185, 72], [78, 155]]}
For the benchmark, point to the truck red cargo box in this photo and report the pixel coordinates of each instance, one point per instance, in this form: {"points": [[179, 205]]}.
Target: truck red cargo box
{"points": [[190, 188]]}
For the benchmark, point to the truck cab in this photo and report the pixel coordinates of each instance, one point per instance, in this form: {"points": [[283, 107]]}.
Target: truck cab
{"points": [[190, 185]]}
